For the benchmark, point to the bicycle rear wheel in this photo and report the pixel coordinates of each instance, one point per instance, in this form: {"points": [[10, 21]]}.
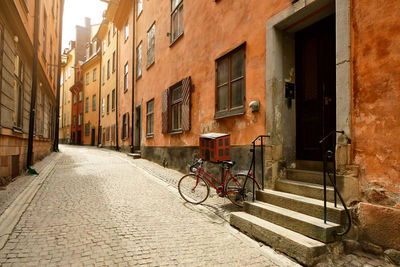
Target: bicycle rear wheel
{"points": [[193, 189], [235, 191]]}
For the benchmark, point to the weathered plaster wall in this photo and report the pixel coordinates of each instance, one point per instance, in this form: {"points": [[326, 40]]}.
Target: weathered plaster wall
{"points": [[211, 29], [376, 110]]}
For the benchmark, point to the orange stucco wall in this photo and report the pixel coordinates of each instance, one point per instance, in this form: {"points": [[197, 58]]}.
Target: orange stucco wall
{"points": [[210, 30], [376, 98]]}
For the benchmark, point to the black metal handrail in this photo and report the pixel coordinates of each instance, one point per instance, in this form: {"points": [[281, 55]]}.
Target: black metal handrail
{"points": [[253, 162], [329, 155]]}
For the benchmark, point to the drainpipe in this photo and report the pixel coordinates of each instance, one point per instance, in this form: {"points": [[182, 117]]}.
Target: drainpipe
{"points": [[133, 78], [56, 132], [116, 93], [100, 79], [34, 84]]}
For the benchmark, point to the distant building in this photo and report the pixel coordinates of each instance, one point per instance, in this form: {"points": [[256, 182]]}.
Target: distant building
{"points": [[16, 67]]}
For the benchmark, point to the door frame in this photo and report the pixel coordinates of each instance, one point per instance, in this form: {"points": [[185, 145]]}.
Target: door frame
{"points": [[280, 64], [138, 126]]}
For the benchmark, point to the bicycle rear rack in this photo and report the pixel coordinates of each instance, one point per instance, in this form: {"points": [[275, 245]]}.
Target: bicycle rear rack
{"points": [[253, 161]]}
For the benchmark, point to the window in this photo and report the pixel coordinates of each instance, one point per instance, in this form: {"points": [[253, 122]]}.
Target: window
{"points": [[80, 96], [93, 102], [114, 62], [108, 133], [176, 107], [74, 121], [126, 77], [87, 78], [109, 38], [87, 129], [176, 19], [80, 116], [139, 61], [18, 91], [113, 132], [108, 103], [108, 69], [230, 83], [113, 99], [125, 126], [126, 31], [151, 45], [74, 98], [69, 72], [104, 46], [114, 29], [44, 39], [66, 76], [103, 78], [102, 106], [87, 105], [150, 118], [139, 7], [94, 74]]}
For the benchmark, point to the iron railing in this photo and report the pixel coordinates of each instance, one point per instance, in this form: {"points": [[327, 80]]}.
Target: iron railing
{"points": [[329, 156], [253, 161]]}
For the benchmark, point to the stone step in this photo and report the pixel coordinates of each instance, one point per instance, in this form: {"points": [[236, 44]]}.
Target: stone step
{"points": [[135, 155], [305, 250], [305, 189], [304, 224], [309, 206], [314, 177]]}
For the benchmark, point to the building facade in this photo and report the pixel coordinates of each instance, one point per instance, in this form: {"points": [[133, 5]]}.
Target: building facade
{"points": [[77, 108], [296, 71], [16, 81]]}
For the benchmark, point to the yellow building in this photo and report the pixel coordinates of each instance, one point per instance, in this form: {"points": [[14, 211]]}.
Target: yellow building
{"points": [[67, 80], [107, 37], [91, 83]]}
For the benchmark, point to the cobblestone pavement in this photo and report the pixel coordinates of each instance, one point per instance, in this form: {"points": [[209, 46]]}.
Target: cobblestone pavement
{"points": [[97, 208]]}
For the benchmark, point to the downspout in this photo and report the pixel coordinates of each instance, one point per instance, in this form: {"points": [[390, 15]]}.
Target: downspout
{"points": [[56, 141], [133, 78], [34, 85], [100, 79], [116, 93]]}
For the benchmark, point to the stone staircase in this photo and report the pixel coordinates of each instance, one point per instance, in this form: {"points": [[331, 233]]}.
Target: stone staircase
{"points": [[290, 218], [136, 155]]}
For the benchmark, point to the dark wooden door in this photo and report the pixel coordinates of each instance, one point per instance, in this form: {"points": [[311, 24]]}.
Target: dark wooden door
{"points": [[93, 136], [79, 137], [315, 87]]}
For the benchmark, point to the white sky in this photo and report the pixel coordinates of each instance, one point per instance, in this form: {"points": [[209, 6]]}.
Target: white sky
{"points": [[74, 13]]}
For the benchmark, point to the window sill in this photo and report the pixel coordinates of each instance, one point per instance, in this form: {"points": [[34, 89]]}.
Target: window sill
{"points": [[149, 135], [176, 132], [222, 115], [176, 40], [125, 90], [149, 66], [138, 77], [17, 129]]}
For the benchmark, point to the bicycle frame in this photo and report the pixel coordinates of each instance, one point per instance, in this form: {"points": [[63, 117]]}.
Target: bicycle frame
{"points": [[204, 174]]}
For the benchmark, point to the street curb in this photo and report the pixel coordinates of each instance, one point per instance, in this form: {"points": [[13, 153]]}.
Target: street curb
{"points": [[11, 216]]}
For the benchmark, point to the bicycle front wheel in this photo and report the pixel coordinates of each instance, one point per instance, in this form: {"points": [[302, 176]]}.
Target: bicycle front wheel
{"points": [[239, 194], [193, 189]]}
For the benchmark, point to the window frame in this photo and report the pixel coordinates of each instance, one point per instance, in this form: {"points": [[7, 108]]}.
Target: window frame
{"points": [[126, 77], [87, 105], [172, 104], [231, 111], [151, 46], [126, 31], [80, 96], [94, 78], [173, 11], [108, 69], [108, 103], [137, 8], [150, 115], [114, 62], [87, 78], [139, 60], [113, 99], [19, 87], [94, 100]]}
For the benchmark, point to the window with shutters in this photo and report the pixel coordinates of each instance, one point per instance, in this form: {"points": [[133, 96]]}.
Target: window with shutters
{"points": [[176, 107], [18, 91], [125, 126], [230, 83], [150, 118], [139, 61], [151, 45], [176, 19]]}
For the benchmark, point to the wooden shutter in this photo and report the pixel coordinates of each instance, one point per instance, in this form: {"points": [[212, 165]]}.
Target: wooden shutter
{"points": [[164, 110], [186, 89]]}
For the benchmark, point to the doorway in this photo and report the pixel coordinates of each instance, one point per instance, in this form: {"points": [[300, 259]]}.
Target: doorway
{"points": [[138, 126], [93, 136], [79, 137], [315, 87]]}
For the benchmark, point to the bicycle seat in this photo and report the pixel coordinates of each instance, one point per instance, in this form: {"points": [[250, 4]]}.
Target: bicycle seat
{"points": [[230, 163]]}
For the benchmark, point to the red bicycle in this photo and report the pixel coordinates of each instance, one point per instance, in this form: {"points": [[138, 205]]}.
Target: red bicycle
{"points": [[195, 186]]}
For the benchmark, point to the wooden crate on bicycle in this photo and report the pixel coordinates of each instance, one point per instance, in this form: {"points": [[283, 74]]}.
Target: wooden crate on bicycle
{"points": [[215, 147]]}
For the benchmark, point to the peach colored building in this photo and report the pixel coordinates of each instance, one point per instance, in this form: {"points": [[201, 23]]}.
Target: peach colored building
{"points": [[91, 80], [294, 70], [16, 71]]}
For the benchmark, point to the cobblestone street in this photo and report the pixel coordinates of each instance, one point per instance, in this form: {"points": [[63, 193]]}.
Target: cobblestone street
{"points": [[96, 208]]}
